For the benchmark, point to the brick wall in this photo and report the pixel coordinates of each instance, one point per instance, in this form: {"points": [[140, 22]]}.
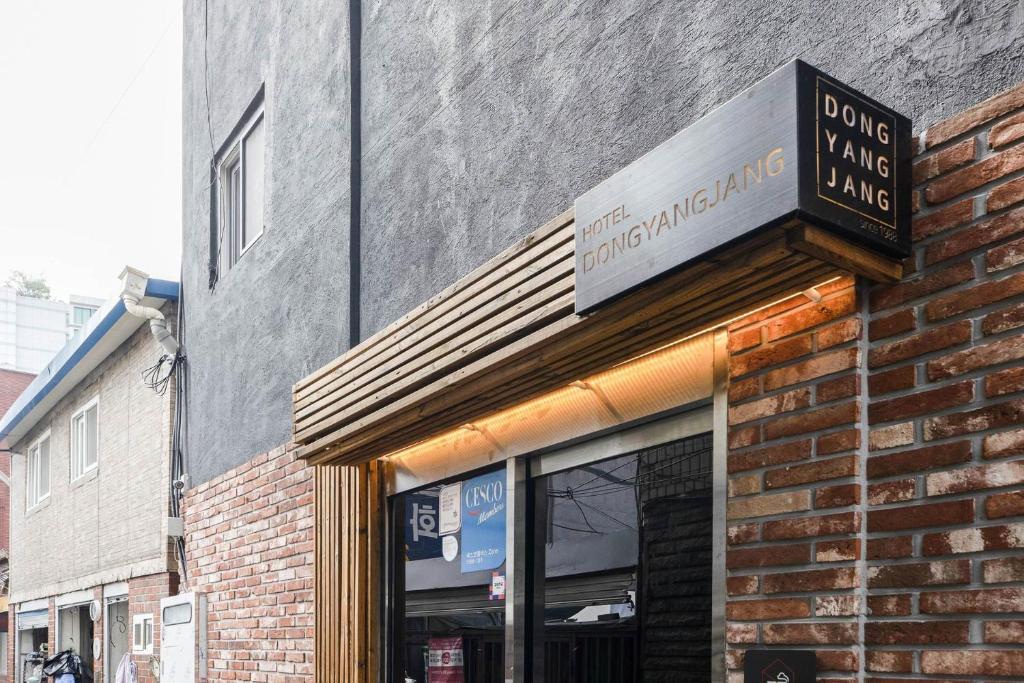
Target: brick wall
{"points": [[250, 549], [795, 525], [144, 595], [876, 486], [12, 383]]}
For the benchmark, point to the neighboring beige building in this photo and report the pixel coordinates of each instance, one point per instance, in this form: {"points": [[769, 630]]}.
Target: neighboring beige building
{"points": [[90, 496]]}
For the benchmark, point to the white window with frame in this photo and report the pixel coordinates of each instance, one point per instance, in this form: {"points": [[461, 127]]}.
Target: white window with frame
{"points": [[80, 315], [85, 444], [142, 634], [37, 485], [240, 180]]}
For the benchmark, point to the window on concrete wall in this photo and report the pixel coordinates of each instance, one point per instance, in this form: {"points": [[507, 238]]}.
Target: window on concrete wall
{"points": [[85, 439], [239, 177], [142, 634], [37, 485]]}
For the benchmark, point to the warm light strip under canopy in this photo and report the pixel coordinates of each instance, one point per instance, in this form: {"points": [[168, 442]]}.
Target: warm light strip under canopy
{"points": [[668, 377], [674, 376]]}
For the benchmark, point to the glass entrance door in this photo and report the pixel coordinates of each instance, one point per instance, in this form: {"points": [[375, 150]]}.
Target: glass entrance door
{"points": [[625, 546], [449, 572], [591, 563]]}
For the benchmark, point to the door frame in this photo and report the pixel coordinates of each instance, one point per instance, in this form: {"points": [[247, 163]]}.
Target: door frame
{"points": [[108, 602], [706, 415]]}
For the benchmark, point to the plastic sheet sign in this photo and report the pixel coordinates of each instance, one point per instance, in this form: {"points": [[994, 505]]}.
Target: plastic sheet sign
{"points": [[450, 514], [422, 540], [445, 660], [779, 666], [483, 522]]}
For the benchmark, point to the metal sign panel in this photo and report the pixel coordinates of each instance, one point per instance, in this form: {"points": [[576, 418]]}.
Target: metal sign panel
{"points": [[797, 144], [779, 666], [855, 164]]}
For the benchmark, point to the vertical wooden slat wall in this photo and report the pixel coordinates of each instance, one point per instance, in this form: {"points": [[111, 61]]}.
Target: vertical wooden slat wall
{"points": [[348, 514]]}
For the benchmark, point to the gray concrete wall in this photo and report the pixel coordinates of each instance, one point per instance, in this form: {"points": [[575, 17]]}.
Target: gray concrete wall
{"points": [[110, 524], [481, 119], [484, 118], [282, 310]]}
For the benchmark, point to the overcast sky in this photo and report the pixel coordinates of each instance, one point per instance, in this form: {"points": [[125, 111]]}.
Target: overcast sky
{"points": [[90, 141]]}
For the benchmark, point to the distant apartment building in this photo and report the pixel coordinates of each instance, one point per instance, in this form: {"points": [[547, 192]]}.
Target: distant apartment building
{"points": [[80, 311], [91, 551], [32, 330]]}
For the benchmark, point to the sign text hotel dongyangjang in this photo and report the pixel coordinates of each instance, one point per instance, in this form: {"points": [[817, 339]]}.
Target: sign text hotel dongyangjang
{"points": [[797, 144]]}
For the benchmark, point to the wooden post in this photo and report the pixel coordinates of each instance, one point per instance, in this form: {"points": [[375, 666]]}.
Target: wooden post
{"points": [[347, 573]]}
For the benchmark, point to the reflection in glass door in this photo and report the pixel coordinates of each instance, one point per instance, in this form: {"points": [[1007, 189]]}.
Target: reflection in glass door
{"points": [[449, 581], [626, 550]]}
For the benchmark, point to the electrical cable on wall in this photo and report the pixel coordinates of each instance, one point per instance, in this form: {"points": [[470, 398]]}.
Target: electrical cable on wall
{"points": [[179, 370], [133, 294], [216, 255], [156, 379]]}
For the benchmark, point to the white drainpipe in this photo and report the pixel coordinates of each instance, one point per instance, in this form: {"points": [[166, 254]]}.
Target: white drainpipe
{"points": [[133, 289]]}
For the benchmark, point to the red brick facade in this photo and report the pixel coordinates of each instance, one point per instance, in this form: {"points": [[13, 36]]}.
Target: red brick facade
{"points": [[144, 595], [12, 383], [876, 483], [250, 550]]}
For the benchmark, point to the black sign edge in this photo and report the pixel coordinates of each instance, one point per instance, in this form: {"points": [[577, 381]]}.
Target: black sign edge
{"points": [[807, 199]]}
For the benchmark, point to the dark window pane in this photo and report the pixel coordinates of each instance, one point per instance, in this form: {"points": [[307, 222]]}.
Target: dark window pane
{"points": [[626, 546], [450, 587]]}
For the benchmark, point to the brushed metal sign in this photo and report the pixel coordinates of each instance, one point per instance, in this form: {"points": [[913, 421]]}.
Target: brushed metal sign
{"points": [[796, 144], [779, 666]]}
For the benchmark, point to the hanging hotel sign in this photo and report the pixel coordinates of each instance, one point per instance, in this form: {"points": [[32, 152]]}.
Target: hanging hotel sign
{"points": [[798, 144]]}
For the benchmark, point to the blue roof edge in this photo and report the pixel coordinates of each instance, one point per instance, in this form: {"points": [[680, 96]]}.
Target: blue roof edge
{"points": [[43, 384], [164, 289]]}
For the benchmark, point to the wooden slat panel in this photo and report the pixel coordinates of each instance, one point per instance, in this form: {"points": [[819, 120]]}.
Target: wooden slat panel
{"points": [[826, 246], [494, 270], [577, 337], [427, 416], [433, 416], [347, 578], [414, 368], [508, 331], [549, 261]]}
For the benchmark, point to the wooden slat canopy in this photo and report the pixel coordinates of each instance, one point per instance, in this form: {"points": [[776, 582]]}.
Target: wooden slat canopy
{"points": [[508, 331]]}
